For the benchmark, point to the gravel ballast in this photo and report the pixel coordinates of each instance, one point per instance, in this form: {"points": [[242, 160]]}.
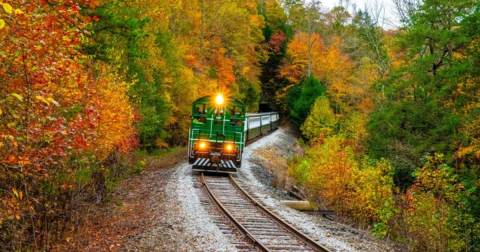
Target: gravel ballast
{"points": [[165, 210], [335, 236]]}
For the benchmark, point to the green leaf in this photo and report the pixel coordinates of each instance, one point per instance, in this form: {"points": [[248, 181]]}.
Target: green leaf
{"points": [[19, 97]]}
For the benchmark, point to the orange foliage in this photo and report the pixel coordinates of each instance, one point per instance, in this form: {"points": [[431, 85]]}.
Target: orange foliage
{"points": [[53, 109], [295, 66], [113, 125], [224, 69], [347, 84]]}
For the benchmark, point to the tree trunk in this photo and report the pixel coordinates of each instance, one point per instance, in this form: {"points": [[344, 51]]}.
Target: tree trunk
{"points": [[202, 36]]}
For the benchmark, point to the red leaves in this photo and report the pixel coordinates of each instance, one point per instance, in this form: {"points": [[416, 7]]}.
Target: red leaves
{"points": [[31, 8], [96, 18], [80, 142], [277, 40]]}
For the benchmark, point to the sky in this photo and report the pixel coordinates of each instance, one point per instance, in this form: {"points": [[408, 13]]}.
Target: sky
{"points": [[390, 16]]}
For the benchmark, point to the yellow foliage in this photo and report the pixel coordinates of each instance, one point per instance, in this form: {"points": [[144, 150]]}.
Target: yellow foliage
{"points": [[356, 188], [354, 128], [7, 8], [471, 127], [321, 120], [427, 222], [114, 123]]}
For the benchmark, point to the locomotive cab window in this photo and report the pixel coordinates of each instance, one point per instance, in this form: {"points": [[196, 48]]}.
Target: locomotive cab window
{"points": [[236, 111]]}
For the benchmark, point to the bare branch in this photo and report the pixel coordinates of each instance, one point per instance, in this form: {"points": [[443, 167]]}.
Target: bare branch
{"points": [[10, 167]]}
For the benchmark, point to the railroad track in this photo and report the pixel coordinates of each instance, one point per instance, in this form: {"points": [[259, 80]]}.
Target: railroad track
{"points": [[259, 229]]}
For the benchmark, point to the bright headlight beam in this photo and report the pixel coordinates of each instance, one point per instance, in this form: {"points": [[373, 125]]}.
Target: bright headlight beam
{"points": [[219, 99]]}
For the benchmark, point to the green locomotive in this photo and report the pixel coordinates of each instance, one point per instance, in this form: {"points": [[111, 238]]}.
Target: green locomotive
{"points": [[217, 134]]}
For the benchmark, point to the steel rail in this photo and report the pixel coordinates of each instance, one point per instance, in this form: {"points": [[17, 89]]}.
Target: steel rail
{"points": [[237, 224], [299, 235]]}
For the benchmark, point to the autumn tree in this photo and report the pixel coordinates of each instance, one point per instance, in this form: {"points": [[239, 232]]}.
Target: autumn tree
{"points": [[63, 116], [336, 180], [347, 84], [307, 18], [321, 122], [277, 33]]}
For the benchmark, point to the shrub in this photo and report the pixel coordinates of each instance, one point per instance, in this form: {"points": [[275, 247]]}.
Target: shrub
{"points": [[321, 121], [334, 178]]}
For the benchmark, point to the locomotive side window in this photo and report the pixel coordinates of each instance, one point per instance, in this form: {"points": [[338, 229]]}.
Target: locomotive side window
{"points": [[236, 122], [199, 119], [200, 108]]}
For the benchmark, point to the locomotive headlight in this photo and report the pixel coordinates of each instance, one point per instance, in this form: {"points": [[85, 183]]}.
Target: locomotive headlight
{"points": [[229, 147], [219, 99], [202, 145]]}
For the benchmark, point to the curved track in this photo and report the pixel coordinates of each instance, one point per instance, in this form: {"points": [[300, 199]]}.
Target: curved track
{"points": [[262, 230]]}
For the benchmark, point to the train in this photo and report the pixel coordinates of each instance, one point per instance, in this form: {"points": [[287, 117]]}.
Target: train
{"points": [[219, 129]]}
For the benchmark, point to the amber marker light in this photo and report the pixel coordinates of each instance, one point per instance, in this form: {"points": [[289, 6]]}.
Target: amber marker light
{"points": [[219, 99]]}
